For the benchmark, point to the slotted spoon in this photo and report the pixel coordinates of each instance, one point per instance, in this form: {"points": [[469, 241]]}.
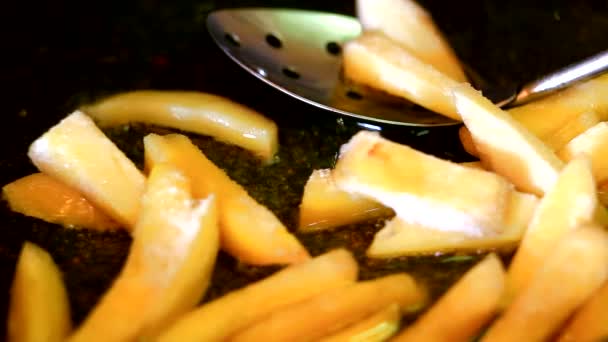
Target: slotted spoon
{"points": [[299, 53]]}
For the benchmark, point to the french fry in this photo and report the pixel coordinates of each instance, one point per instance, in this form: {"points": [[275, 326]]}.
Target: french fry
{"points": [[221, 318], [379, 62], [423, 189], [474, 164], [190, 111], [591, 143], [412, 26], [39, 309], [249, 231], [548, 115], [376, 328], [504, 145], [590, 323], [467, 141], [42, 196], [570, 203], [333, 310], [574, 127], [169, 266], [399, 238], [78, 154], [325, 206], [464, 309], [571, 273]]}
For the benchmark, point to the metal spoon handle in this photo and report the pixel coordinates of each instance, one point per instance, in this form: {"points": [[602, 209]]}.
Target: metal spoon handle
{"points": [[562, 78]]}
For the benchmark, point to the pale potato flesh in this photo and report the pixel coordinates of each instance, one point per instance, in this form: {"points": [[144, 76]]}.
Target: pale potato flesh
{"points": [[571, 273], [44, 197], [326, 206], [570, 203], [78, 154], [592, 143], [378, 327], [376, 61], [191, 111], [423, 189], [221, 318], [398, 238], [461, 313], [39, 309], [504, 145], [333, 310], [169, 266], [249, 231], [412, 26]]}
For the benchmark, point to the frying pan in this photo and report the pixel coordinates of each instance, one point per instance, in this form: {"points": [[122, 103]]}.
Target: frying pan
{"points": [[56, 56]]}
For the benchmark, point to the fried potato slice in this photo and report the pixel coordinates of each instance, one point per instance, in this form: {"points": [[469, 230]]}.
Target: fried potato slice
{"points": [[590, 323], [464, 309], [548, 115], [570, 203], [44, 197], [221, 318], [376, 328], [571, 273], [326, 206], [506, 146], [574, 127], [423, 189], [377, 61], [191, 111], [333, 310], [592, 143], [169, 266], [412, 26], [78, 154], [249, 231], [39, 309], [399, 238]]}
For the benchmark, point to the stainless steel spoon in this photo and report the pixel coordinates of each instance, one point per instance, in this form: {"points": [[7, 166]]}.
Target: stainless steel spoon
{"points": [[298, 52]]}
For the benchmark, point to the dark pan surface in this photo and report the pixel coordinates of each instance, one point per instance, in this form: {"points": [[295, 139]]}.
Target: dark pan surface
{"points": [[58, 55]]}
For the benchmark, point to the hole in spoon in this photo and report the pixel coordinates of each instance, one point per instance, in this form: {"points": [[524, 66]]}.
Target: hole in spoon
{"points": [[333, 48], [232, 39], [354, 95], [274, 41], [291, 73]]}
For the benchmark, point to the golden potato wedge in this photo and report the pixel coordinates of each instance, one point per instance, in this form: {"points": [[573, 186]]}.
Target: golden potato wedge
{"points": [[78, 154], [590, 323], [39, 309], [399, 238], [378, 327], [326, 206], [191, 111], [333, 310], [592, 143], [423, 189], [467, 141], [42, 196], [379, 62], [546, 116], [574, 127], [464, 309], [169, 266], [249, 231], [504, 145], [412, 26], [570, 203], [571, 273], [221, 318]]}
